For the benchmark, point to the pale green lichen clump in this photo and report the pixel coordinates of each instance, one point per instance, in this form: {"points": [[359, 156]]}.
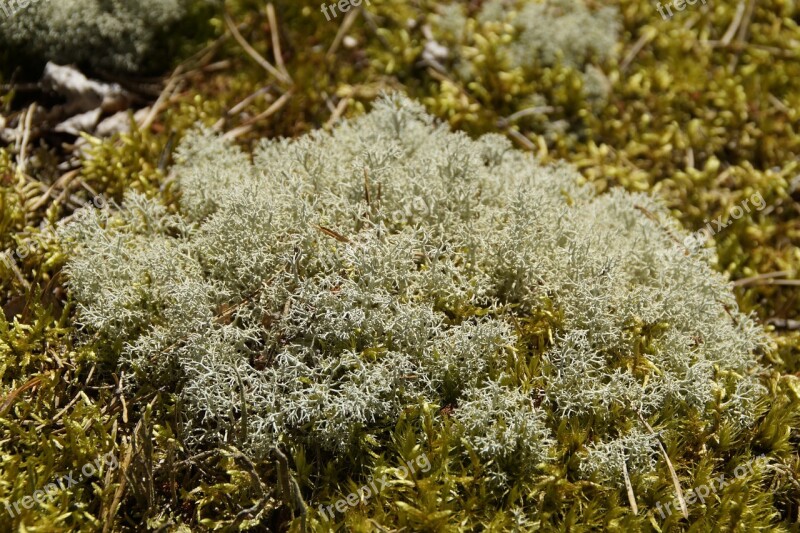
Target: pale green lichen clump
{"points": [[534, 35], [118, 35], [315, 293], [566, 31], [541, 33]]}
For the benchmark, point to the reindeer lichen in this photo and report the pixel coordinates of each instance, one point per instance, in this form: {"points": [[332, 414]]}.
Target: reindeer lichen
{"points": [[314, 294], [119, 36]]}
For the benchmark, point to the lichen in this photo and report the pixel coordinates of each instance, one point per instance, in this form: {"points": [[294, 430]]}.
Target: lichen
{"points": [[296, 298], [118, 36]]}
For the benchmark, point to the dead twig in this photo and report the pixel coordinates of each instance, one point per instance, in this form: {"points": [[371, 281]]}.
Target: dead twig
{"points": [[22, 158], [330, 233], [760, 277], [337, 112], [645, 38], [741, 36], [629, 488], [168, 91], [745, 26], [254, 510], [271, 110], [538, 110], [347, 23], [121, 393], [239, 107], [12, 264], [203, 455], [675, 481], [784, 282], [258, 58], [290, 491], [740, 47], [251, 469], [11, 398], [276, 42], [778, 103], [373, 26], [107, 514], [67, 407], [520, 138], [62, 182], [737, 19], [784, 323]]}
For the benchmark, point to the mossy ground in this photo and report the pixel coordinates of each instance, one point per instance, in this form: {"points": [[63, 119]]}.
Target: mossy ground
{"points": [[700, 120]]}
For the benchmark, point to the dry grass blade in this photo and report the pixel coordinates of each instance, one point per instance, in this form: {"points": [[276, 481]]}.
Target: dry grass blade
{"points": [[239, 107], [755, 280], [537, 110], [521, 139], [648, 35], [337, 113], [248, 124], [741, 36], [737, 19], [108, 513], [168, 91], [629, 488], [783, 323], [785, 282], [9, 260], [675, 481], [11, 398], [280, 76], [62, 182], [276, 41], [26, 136], [67, 407], [347, 23]]}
